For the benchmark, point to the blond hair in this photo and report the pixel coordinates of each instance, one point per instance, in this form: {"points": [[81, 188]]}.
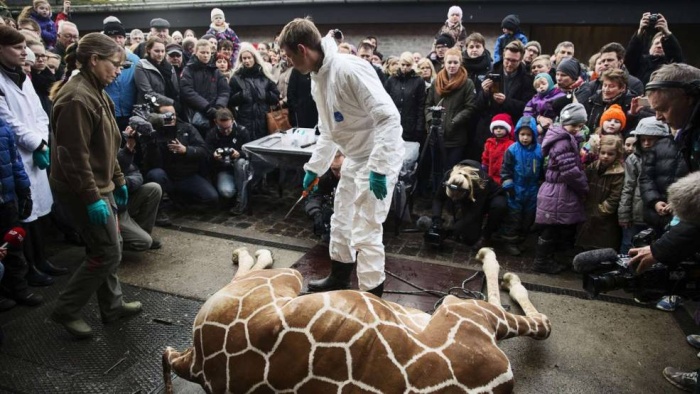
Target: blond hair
{"points": [[248, 47], [467, 178], [426, 62], [615, 142]]}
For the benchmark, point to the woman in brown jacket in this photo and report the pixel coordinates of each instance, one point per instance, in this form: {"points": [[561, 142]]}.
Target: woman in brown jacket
{"points": [[87, 181], [453, 91]]}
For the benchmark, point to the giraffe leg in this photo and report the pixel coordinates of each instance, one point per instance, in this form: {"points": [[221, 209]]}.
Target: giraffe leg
{"points": [[245, 261], [263, 259], [518, 293], [491, 267]]}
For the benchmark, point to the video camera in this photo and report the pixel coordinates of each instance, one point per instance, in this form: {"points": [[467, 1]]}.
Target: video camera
{"points": [[604, 270], [225, 153], [436, 233], [337, 34], [145, 122], [436, 112]]}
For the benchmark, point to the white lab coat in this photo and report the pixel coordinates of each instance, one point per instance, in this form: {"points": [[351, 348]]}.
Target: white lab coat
{"points": [[22, 110], [357, 116]]}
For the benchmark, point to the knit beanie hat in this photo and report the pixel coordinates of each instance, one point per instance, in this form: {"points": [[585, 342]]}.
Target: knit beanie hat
{"points": [[30, 58], [534, 44], [114, 29], [570, 67], [455, 10], [110, 18], [217, 12], [446, 40], [614, 112], [503, 120], [550, 83], [573, 113], [511, 22]]}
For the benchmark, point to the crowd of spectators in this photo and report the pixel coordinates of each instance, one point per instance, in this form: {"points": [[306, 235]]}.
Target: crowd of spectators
{"points": [[573, 147]]}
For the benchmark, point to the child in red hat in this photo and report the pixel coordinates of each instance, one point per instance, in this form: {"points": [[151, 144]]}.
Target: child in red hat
{"points": [[496, 146]]}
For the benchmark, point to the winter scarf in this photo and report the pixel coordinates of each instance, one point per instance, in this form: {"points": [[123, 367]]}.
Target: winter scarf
{"points": [[444, 85], [166, 70]]}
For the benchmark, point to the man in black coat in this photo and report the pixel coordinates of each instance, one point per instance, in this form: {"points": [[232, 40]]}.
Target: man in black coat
{"points": [[664, 49], [174, 158], [506, 90]]}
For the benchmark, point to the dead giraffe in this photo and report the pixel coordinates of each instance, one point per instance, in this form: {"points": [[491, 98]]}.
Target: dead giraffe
{"points": [[258, 335]]}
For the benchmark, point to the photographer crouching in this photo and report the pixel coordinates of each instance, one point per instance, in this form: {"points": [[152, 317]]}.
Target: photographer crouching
{"points": [[230, 163], [175, 158], [319, 205], [472, 197]]}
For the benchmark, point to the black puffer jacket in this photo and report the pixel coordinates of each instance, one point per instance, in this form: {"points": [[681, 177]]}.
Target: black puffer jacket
{"points": [[202, 87], [252, 94], [661, 166], [595, 108], [408, 93], [177, 166]]}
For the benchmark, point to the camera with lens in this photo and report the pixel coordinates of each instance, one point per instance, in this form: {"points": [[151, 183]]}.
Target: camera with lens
{"points": [[225, 153], [657, 281], [436, 112], [337, 34], [145, 122], [436, 234], [495, 77], [653, 18]]}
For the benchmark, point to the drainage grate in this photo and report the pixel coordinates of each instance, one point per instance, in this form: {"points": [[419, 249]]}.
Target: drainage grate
{"points": [[230, 237], [39, 356]]}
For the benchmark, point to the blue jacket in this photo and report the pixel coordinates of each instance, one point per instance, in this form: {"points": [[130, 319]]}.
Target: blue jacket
{"points": [[123, 89], [48, 28], [12, 174], [522, 169], [502, 41]]}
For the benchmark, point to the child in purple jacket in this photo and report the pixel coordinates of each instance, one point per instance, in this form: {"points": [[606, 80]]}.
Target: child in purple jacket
{"points": [[560, 200], [541, 102]]}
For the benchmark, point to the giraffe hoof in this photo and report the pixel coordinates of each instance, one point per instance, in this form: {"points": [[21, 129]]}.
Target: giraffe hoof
{"points": [[509, 280], [236, 254], [484, 253], [263, 259]]}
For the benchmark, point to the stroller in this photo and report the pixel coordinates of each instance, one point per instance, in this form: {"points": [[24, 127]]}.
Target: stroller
{"points": [[402, 203]]}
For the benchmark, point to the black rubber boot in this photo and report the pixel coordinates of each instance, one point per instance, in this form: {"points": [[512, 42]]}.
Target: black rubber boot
{"points": [[37, 278], [378, 291], [339, 278], [544, 258], [48, 268]]}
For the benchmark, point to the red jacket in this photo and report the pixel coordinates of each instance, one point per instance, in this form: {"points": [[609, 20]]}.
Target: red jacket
{"points": [[492, 158]]}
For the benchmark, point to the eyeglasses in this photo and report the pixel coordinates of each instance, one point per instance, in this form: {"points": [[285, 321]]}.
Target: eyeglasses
{"points": [[70, 36], [41, 56], [440, 47]]}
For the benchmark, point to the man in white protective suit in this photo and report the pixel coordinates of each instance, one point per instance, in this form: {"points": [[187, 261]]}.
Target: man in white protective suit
{"points": [[357, 116]]}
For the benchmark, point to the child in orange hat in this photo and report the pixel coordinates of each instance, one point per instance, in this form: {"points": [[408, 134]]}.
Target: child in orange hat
{"points": [[612, 122]]}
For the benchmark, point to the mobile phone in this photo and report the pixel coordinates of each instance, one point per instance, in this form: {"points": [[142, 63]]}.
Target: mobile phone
{"points": [[643, 102]]}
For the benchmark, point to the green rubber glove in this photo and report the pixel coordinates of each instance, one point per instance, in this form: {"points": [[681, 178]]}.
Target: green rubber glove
{"points": [[309, 178], [98, 212], [41, 158], [121, 196], [377, 185]]}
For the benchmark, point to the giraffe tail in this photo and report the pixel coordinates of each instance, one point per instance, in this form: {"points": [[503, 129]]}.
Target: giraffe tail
{"points": [[180, 363]]}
